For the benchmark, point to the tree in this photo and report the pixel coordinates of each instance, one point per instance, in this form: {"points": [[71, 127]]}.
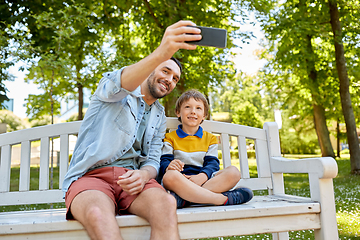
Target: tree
{"points": [[292, 30], [246, 104], [203, 68], [5, 60], [344, 88], [103, 36]]}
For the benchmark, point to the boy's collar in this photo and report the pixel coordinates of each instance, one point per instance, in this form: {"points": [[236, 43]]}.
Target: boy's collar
{"points": [[182, 134]]}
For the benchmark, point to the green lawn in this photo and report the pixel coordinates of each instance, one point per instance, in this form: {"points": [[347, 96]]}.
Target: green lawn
{"points": [[347, 197]]}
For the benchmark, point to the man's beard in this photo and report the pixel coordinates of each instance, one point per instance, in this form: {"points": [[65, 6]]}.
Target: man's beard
{"points": [[152, 88]]}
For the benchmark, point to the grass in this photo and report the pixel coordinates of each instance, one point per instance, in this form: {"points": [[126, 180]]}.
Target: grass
{"points": [[346, 187], [347, 200]]}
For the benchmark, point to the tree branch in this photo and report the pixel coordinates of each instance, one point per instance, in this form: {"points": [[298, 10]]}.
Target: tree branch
{"points": [[153, 15]]}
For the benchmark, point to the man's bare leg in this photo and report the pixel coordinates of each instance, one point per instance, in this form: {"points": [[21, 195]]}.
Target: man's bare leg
{"points": [[96, 212], [159, 209]]}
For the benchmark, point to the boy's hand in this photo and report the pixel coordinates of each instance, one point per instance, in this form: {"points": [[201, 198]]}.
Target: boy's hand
{"points": [[176, 164], [198, 179]]}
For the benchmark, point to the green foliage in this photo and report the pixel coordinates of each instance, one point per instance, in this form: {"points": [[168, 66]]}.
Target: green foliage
{"points": [[294, 143], [41, 121], [39, 106], [13, 122], [243, 99], [297, 135], [69, 44]]}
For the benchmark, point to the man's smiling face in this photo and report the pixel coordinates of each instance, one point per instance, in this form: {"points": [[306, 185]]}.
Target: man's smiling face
{"points": [[164, 79]]}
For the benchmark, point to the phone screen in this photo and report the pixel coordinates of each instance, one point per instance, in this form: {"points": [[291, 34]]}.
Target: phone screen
{"points": [[211, 37]]}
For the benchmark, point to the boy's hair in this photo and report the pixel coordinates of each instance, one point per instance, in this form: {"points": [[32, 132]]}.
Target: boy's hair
{"points": [[198, 96], [177, 62]]}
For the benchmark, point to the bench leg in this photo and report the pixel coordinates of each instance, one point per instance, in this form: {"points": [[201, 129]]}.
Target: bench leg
{"points": [[280, 236], [322, 190]]}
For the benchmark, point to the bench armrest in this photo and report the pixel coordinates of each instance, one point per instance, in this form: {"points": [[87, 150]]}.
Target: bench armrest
{"points": [[324, 167]]}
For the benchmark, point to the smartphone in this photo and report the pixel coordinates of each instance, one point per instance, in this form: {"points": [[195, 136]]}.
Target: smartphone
{"points": [[211, 37]]}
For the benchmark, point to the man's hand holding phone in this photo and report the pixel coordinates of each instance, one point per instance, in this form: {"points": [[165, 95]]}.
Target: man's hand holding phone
{"points": [[211, 37]]}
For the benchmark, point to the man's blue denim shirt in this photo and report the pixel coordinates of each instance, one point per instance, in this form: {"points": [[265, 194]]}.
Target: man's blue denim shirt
{"points": [[109, 129]]}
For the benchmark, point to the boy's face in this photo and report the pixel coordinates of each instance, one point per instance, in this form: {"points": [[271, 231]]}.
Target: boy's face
{"points": [[192, 113]]}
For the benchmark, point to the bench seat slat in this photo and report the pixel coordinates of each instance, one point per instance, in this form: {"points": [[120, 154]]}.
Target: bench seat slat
{"points": [[260, 206]]}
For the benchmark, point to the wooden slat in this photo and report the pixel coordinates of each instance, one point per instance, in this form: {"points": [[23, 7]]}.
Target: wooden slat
{"points": [[31, 197], [37, 133], [273, 139], [259, 209], [222, 127], [44, 164], [225, 147], [262, 158], [24, 181], [243, 157], [255, 183], [64, 157], [5, 168]]}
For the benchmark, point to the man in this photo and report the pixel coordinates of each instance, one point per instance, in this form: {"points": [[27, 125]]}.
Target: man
{"points": [[117, 155]]}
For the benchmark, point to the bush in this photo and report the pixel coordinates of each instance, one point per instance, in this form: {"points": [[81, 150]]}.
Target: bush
{"points": [[294, 143], [13, 122], [345, 151]]}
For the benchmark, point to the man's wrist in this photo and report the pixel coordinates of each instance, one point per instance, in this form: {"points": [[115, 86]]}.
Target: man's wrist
{"points": [[148, 173]]}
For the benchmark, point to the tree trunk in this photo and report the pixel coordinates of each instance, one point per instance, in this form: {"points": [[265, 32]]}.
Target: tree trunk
{"points": [[337, 139], [321, 128], [344, 88], [81, 101], [322, 131]]}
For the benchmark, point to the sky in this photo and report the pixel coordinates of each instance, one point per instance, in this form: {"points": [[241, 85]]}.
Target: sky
{"points": [[245, 61]]}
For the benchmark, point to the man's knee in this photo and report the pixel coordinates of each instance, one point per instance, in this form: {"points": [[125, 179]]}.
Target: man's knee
{"points": [[92, 206]]}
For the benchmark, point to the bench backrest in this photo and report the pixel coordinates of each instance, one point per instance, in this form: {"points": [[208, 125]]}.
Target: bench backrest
{"points": [[62, 132]]}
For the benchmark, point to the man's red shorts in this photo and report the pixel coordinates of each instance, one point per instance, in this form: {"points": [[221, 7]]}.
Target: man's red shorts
{"points": [[104, 179]]}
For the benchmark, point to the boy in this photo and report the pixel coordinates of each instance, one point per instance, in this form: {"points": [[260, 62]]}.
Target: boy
{"points": [[189, 166]]}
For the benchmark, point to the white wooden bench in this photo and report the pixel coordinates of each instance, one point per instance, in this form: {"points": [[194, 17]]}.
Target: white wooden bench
{"points": [[275, 213]]}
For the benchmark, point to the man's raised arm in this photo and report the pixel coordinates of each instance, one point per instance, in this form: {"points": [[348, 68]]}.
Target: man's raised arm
{"points": [[174, 39]]}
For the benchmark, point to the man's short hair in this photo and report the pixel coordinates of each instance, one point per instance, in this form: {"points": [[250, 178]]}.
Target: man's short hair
{"points": [[177, 62], [195, 94]]}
